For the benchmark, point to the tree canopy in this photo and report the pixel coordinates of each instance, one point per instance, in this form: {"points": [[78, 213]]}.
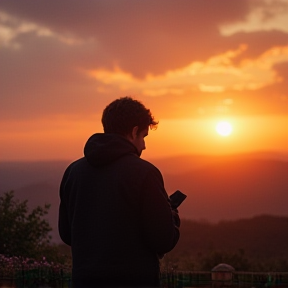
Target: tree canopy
{"points": [[23, 233]]}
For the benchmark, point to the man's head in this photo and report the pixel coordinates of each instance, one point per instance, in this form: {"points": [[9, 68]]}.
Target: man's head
{"points": [[129, 118]]}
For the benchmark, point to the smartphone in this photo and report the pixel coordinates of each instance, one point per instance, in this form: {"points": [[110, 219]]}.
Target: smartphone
{"points": [[177, 198]]}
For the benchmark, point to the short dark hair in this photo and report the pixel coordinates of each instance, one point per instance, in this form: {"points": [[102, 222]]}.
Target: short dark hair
{"points": [[121, 115]]}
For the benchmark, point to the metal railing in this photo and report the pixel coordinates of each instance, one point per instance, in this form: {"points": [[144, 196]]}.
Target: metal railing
{"points": [[169, 279], [179, 279]]}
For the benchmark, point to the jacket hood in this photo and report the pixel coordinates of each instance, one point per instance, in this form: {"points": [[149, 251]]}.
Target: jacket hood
{"points": [[104, 148]]}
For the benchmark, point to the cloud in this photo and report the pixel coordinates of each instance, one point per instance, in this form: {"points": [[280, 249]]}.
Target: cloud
{"points": [[269, 15], [217, 74], [171, 51], [141, 36], [12, 28]]}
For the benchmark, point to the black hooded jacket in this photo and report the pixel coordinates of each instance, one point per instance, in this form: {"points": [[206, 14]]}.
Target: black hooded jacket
{"points": [[116, 215]]}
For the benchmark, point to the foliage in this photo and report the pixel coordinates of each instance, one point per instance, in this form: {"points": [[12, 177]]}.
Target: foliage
{"points": [[258, 244], [208, 260], [23, 233], [244, 244], [237, 259], [28, 272]]}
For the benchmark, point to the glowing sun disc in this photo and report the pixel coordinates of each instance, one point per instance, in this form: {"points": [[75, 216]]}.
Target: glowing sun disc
{"points": [[224, 128]]}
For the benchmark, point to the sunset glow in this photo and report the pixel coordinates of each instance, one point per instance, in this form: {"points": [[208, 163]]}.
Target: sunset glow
{"points": [[57, 75]]}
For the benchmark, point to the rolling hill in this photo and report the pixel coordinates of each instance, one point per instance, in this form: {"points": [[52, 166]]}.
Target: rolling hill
{"points": [[218, 188]]}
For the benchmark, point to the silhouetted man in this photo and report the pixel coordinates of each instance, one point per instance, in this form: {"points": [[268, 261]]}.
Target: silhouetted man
{"points": [[114, 210]]}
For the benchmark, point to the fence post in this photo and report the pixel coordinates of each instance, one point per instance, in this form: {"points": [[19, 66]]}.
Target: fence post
{"points": [[222, 275]]}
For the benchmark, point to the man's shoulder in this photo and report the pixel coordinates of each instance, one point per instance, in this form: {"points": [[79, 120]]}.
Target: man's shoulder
{"points": [[144, 164], [148, 164], [133, 161], [77, 164]]}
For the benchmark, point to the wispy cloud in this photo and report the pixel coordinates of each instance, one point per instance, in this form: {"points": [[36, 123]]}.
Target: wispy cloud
{"points": [[219, 73], [270, 16], [11, 28]]}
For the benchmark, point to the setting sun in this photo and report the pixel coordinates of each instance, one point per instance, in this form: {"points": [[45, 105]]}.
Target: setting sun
{"points": [[224, 128]]}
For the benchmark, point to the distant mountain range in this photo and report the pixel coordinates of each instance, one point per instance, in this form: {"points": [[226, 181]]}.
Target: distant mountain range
{"points": [[218, 188]]}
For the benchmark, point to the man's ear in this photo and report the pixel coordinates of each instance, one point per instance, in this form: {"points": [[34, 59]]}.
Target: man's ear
{"points": [[133, 135], [134, 132]]}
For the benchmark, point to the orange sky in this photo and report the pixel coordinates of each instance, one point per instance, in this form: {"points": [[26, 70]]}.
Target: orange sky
{"points": [[191, 62]]}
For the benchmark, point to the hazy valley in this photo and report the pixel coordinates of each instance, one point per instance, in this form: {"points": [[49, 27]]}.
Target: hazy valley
{"points": [[218, 188]]}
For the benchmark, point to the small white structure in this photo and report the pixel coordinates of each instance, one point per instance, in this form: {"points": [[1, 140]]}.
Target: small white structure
{"points": [[222, 275]]}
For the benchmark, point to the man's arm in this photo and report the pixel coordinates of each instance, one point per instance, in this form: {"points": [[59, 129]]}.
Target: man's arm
{"points": [[161, 223], [63, 220]]}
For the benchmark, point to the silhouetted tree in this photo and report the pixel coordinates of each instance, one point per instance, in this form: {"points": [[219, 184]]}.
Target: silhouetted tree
{"points": [[23, 233]]}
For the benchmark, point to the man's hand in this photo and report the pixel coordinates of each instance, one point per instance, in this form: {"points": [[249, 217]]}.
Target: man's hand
{"points": [[176, 218]]}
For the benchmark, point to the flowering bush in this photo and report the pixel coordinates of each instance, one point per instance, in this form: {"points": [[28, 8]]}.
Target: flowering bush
{"points": [[31, 273]]}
